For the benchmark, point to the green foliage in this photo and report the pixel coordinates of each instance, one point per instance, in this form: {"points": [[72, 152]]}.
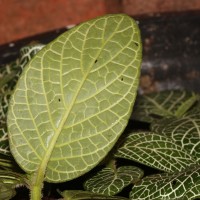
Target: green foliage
{"points": [[156, 151], [6, 191], [184, 131], [9, 180], [9, 76], [69, 108], [163, 104], [70, 104], [110, 181], [72, 100], [84, 195], [4, 145], [168, 186]]}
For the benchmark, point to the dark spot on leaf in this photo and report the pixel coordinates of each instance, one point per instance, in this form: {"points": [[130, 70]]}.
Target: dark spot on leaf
{"points": [[136, 44], [122, 78], [59, 99], [95, 61], [174, 183]]}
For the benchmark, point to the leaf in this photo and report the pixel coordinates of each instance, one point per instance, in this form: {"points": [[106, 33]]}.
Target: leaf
{"points": [[28, 52], [12, 178], [184, 131], [156, 151], [6, 192], [193, 192], [84, 195], [110, 181], [156, 105], [75, 97], [166, 186], [9, 75], [8, 182], [5, 161], [4, 145]]}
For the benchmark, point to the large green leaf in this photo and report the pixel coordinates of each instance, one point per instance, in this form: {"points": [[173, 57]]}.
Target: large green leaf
{"points": [[167, 186], [75, 97], [84, 195], [156, 151], [111, 181], [184, 131], [153, 106]]}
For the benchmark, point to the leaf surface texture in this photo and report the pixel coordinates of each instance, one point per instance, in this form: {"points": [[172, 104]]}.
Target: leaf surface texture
{"points": [[75, 97]]}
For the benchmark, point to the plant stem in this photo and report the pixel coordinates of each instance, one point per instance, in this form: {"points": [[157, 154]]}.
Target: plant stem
{"points": [[37, 184], [112, 165], [36, 192]]}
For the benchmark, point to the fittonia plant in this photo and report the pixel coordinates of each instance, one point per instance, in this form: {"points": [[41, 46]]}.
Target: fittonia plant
{"points": [[72, 102]]}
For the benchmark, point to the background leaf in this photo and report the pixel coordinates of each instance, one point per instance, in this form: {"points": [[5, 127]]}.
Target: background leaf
{"points": [[9, 74], [4, 145], [166, 186], [111, 181], [6, 162], [84, 195], [75, 97], [184, 131], [9, 180], [6, 191], [156, 151], [165, 104]]}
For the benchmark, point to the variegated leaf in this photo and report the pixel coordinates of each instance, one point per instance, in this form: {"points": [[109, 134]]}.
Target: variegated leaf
{"points": [[155, 151], [4, 145], [167, 186], [111, 181], [9, 74], [154, 106], [193, 192], [184, 131]]}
